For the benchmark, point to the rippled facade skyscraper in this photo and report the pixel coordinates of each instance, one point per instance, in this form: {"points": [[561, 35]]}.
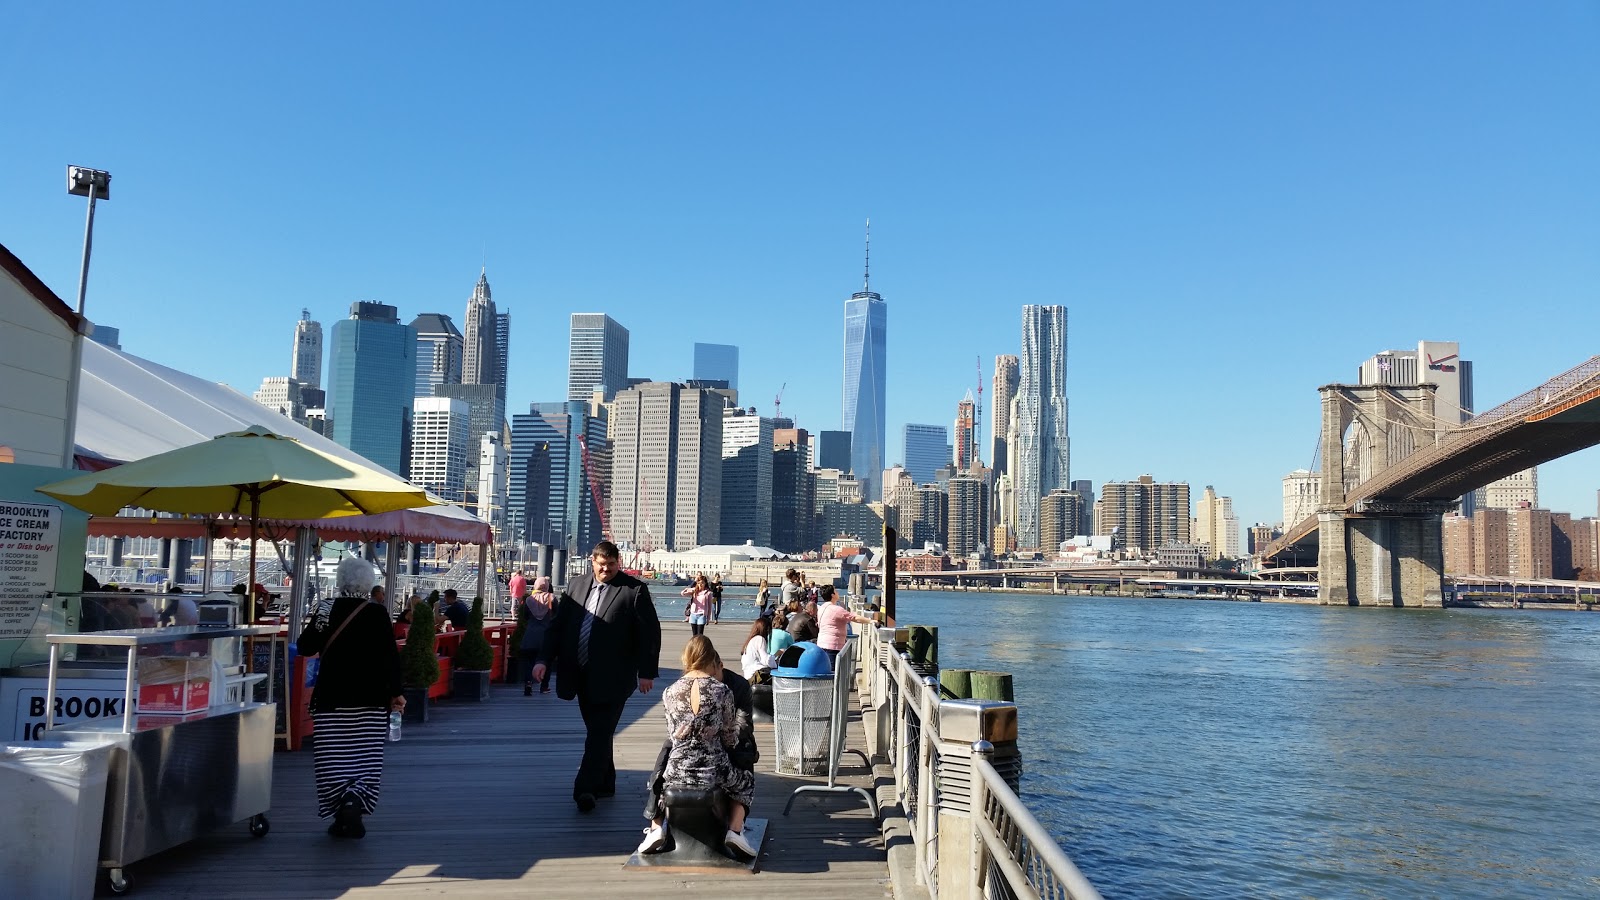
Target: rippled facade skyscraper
{"points": [[1043, 452], [866, 321]]}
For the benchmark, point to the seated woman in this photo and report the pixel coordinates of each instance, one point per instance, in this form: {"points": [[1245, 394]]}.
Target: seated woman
{"points": [[781, 639], [756, 658], [703, 726]]}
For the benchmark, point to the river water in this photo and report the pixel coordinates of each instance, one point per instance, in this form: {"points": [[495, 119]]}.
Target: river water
{"points": [[1190, 748]]}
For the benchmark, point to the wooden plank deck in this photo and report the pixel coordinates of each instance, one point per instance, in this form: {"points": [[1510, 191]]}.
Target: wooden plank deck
{"points": [[477, 803]]}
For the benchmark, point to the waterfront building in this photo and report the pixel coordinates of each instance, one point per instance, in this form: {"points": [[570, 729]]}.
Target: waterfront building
{"points": [[866, 319], [282, 396], [1215, 526], [717, 362], [1562, 530], [793, 493], [550, 498], [1513, 490], [494, 483], [965, 454], [747, 490], [1043, 461], [1584, 538], [1085, 489], [1457, 539], [305, 363], [1491, 542], [107, 336], [1180, 555], [929, 523], [967, 518], [487, 415], [927, 447], [833, 450], [597, 357], [1528, 542], [666, 483], [371, 377], [1301, 494], [439, 446], [440, 349], [1060, 513], [1262, 534], [1007, 376], [481, 354], [857, 523], [1146, 513]]}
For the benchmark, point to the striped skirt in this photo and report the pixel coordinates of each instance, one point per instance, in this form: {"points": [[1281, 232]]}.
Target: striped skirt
{"points": [[349, 756]]}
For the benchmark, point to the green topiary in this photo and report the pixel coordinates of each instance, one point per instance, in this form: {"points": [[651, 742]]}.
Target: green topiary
{"points": [[475, 654], [419, 663]]}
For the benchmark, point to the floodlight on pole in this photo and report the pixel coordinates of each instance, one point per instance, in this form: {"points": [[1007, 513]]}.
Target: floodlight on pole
{"points": [[96, 185]]}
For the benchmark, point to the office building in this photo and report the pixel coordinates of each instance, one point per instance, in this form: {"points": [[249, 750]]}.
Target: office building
{"points": [[717, 362], [1085, 489], [866, 319], [965, 449], [1262, 534], [666, 482], [1043, 459], [1528, 543], [597, 357], [551, 495], [1060, 513], [487, 415], [1007, 377], [107, 336], [372, 371], [746, 476], [494, 484], [852, 523], [930, 517], [1215, 526], [899, 492], [967, 515], [793, 493], [1513, 490], [1145, 514], [927, 447], [439, 447], [440, 351], [826, 490], [502, 348], [1301, 494], [481, 356], [833, 450], [305, 364], [282, 396], [1433, 362]]}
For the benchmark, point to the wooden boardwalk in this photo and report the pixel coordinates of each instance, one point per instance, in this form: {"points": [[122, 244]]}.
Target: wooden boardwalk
{"points": [[477, 803]]}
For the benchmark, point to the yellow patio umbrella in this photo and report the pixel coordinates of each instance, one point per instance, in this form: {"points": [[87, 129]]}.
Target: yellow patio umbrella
{"points": [[254, 473]]}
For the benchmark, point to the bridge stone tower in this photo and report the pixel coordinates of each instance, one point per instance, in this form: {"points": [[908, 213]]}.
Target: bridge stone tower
{"points": [[1376, 553]]}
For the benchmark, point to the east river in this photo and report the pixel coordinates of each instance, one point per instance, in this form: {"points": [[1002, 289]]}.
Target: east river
{"points": [[1189, 748]]}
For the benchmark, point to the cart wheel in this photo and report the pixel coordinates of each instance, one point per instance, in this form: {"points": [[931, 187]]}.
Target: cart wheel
{"points": [[121, 882], [259, 826]]}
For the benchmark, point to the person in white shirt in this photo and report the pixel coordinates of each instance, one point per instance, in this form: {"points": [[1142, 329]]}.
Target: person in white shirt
{"points": [[755, 655]]}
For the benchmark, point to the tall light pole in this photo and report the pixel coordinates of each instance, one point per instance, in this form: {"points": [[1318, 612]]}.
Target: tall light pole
{"points": [[96, 185]]}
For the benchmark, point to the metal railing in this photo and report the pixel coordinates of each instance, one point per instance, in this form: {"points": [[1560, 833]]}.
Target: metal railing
{"points": [[957, 772]]}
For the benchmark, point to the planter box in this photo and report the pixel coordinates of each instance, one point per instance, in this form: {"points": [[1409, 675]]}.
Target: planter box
{"points": [[469, 684], [416, 707]]}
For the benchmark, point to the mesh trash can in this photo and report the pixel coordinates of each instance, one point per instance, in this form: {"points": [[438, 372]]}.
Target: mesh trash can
{"points": [[802, 709], [57, 792]]}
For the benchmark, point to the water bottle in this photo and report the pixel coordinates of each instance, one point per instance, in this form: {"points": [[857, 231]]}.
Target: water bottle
{"points": [[394, 725]]}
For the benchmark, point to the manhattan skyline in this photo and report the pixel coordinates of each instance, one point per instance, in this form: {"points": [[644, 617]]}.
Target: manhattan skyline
{"points": [[1261, 196]]}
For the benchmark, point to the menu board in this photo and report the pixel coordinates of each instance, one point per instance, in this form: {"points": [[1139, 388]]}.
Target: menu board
{"points": [[30, 537]]}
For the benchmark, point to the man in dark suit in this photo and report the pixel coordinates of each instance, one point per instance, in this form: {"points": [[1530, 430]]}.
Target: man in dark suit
{"points": [[605, 642]]}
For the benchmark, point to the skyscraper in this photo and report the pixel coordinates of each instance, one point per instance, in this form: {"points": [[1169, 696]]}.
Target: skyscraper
{"points": [[666, 475], [1006, 379], [968, 514], [306, 363], [793, 492], [747, 476], [550, 499], [966, 443], [486, 405], [717, 362], [833, 450], [866, 320], [502, 348], [371, 383], [1433, 362], [481, 355], [597, 356], [1146, 514], [1060, 511], [1513, 490], [439, 446], [927, 448], [1043, 453], [1215, 525], [440, 347]]}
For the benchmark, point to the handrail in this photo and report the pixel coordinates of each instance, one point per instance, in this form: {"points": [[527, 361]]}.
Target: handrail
{"points": [[957, 803]]}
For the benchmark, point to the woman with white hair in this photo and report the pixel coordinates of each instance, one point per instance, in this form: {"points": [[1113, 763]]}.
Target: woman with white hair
{"points": [[358, 683]]}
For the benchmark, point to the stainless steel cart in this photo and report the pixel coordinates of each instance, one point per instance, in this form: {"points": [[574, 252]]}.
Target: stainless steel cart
{"points": [[177, 775]]}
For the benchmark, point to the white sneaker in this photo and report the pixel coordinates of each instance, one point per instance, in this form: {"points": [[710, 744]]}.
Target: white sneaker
{"points": [[735, 842], [655, 839]]}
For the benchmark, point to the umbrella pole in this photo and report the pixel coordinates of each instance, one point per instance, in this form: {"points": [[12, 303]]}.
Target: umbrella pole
{"points": [[250, 586]]}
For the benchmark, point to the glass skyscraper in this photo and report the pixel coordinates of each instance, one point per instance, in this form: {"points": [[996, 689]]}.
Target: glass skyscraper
{"points": [[597, 356], [866, 319], [550, 500], [440, 349], [717, 362], [927, 448], [1043, 453], [371, 382]]}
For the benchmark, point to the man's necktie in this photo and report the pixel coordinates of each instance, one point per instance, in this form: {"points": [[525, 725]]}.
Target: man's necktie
{"points": [[588, 625]]}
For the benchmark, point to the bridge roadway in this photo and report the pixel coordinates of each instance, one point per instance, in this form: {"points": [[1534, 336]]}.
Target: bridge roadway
{"points": [[1554, 419], [477, 803]]}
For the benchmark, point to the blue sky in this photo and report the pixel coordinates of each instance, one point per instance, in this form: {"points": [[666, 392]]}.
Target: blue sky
{"points": [[1237, 202]]}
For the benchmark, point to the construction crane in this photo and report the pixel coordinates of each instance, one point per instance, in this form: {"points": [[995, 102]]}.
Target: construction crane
{"points": [[777, 402], [594, 488]]}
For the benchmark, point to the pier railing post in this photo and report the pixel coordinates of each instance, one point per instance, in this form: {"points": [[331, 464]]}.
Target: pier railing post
{"points": [[965, 725]]}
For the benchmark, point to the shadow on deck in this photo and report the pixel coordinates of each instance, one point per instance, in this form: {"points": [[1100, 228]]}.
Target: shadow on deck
{"points": [[478, 803]]}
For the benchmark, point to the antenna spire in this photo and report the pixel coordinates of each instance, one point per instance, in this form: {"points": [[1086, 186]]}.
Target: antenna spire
{"points": [[866, 278]]}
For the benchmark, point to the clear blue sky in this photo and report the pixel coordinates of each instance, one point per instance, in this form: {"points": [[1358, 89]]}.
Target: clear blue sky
{"points": [[1236, 201]]}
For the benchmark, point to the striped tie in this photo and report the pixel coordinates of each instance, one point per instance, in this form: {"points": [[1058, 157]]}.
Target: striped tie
{"points": [[588, 625]]}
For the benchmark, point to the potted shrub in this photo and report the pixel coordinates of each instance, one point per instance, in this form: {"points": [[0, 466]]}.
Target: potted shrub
{"points": [[419, 664], [474, 659]]}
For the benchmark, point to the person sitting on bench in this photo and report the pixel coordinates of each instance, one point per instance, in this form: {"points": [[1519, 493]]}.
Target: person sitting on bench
{"points": [[710, 744]]}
